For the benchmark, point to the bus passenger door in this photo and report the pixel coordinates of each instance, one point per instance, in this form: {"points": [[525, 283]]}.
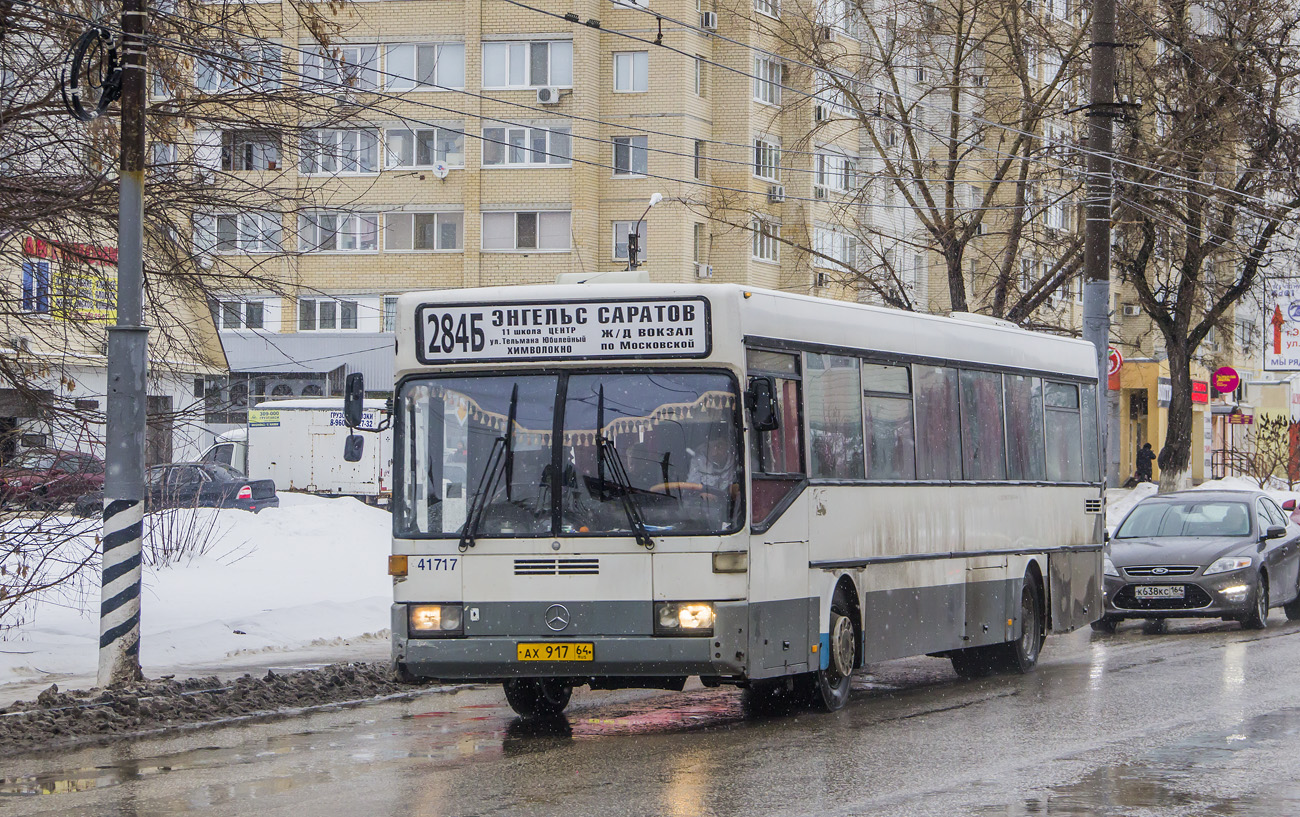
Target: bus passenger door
{"points": [[781, 612]]}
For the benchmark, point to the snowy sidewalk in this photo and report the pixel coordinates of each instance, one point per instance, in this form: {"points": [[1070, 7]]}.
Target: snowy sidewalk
{"points": [[302, 585]]}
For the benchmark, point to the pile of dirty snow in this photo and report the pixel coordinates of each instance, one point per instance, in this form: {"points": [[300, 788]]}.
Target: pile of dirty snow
{"points": [[313, 569]]}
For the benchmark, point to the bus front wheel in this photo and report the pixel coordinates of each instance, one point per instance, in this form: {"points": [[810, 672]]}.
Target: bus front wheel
{"points": [[537, 697], [828, 689]]}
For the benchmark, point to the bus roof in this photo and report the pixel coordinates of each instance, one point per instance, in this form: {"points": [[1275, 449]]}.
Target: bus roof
{"points": [[760, 315]]}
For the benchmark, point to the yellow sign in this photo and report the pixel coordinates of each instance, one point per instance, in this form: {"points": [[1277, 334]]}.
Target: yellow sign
{"points": [[264, 418]]}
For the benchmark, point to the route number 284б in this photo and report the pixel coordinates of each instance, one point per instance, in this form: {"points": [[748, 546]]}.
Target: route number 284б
{"points": [[447, 332]]}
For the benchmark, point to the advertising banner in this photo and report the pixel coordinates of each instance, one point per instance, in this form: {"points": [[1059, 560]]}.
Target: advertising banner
{"points": [[1281, 324]]}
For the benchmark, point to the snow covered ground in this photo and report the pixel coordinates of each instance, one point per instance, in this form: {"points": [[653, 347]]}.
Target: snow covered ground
{"points": [[308, 575]]}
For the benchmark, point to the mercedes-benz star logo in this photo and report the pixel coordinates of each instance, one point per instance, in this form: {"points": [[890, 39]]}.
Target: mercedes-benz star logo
{"points": [[557, 617]]}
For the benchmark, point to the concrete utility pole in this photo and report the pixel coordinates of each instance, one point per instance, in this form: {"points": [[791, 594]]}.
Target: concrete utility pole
{"points": [[128, 343], [1096, 233]]}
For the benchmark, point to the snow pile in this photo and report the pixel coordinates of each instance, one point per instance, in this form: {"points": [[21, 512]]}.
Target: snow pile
{"points": [[312, 569]]}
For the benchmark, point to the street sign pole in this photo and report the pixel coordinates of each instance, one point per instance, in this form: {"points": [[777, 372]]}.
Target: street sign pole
{"points": [[119, 618]]}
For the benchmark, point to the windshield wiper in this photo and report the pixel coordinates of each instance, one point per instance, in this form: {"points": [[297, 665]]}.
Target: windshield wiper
{"points": [[607, 454], [501, 461]]}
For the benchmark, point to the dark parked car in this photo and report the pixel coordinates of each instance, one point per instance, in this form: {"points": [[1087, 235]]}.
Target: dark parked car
{"points": [[208, 485], [47, 479], [1203, 554]]}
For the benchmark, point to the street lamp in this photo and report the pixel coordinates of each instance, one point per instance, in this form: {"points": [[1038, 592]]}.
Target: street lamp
{"points": [[634, 235]]}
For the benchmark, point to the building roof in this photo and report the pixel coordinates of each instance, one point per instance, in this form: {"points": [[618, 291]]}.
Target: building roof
{"points": [[370, 353]]}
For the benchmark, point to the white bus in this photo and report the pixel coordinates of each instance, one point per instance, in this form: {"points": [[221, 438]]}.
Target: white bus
{"points": [[626, 485]]}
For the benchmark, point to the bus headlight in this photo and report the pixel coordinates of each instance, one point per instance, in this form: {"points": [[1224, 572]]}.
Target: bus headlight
{"points": [[434, 620], [684, 618]]}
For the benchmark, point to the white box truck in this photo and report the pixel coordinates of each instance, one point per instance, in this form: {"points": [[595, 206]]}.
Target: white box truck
{"points": [[299, 444]]}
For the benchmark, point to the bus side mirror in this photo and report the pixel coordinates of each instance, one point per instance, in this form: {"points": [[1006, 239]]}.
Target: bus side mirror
{"points": [[352, 447], [760, 399], [354, 397]]}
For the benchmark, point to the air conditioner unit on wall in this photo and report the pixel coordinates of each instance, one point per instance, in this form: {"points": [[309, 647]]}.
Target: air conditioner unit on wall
{"points": [[709, 20], [703, 270], [548, 96], [775, 193], [1131, 310], [820, 193]]}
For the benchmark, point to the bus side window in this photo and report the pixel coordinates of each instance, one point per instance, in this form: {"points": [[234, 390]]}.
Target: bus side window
{"points": [[776, 457]]}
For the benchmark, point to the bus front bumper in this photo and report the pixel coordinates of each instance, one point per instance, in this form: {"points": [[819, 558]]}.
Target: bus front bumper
{"points": [[492, 658]]}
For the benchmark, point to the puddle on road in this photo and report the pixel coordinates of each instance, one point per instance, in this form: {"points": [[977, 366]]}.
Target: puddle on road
{"points": [[1192, 777]]}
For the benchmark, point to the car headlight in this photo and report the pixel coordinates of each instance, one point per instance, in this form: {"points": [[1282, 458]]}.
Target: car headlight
{"points": [[1228, 564], [1109, 567], [434, 620], [684, 618]]}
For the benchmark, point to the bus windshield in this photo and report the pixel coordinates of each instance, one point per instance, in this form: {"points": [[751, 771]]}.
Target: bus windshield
{"points": [[671, 446]]}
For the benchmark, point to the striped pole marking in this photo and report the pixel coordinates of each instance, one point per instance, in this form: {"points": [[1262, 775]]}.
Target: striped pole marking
{"points": [[119, 610]]}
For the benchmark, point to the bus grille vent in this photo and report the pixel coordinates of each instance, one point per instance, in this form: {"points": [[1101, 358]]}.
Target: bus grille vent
{"points": [[1092, 506], [557, 567]]}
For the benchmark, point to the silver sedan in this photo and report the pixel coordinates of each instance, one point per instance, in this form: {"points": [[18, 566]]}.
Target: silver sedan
{"points": [[1203, 554]]}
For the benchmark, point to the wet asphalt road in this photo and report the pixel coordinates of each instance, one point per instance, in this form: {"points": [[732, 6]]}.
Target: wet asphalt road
{"points": [[1201, 720]]}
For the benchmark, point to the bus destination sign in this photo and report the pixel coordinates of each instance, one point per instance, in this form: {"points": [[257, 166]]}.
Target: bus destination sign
{"points": [[479, 333]]}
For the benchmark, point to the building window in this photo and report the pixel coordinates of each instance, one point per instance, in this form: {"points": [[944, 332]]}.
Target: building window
{"points": [[425, 66], [527, 147], [255, 68], [338, 152], [424, 147], [338, 232], [250, 150], [767, 80], [352, 67], [36, 286], [630, 155], [326, 314], [831, 99], [699, 158], [835, 171], [631, 71], [700, 68], [162, 154], [621, 231], [769, 7], [528, 64], [239, 314], [423, 231], [515, 231], [836, 250], [697, 243], [390, 314], [238, 232], [767, 240], [767, 160]]}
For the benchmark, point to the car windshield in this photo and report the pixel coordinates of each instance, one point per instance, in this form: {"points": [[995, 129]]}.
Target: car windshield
{"points": [[675, 436], [1154, 520], [34, 461]]}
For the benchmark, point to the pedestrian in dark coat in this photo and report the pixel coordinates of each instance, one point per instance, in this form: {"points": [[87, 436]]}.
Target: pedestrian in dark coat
{"points": [[1144, 459]]}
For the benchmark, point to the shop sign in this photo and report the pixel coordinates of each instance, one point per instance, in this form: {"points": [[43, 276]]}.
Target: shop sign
{"points": [[1226, 379], [1241, 419], [1281, 324]]}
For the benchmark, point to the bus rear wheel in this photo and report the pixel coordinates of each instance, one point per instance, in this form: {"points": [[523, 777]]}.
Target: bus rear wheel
{"points": [[537, 697], [1018, 656]]}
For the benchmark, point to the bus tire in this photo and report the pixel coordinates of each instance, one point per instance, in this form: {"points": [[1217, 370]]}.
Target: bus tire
{"points": [[973, 662], [1021, 655], [773, 696], [828, 689], [537, 697], [404, 675]]}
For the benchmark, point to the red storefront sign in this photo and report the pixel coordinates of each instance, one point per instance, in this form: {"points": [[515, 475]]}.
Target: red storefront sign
{"points": [[1200, 391], [85, 253]]}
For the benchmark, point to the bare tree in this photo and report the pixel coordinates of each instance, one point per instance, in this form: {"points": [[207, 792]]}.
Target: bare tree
{"points": [[1206, 188], [961, 111], [228, 106]]}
